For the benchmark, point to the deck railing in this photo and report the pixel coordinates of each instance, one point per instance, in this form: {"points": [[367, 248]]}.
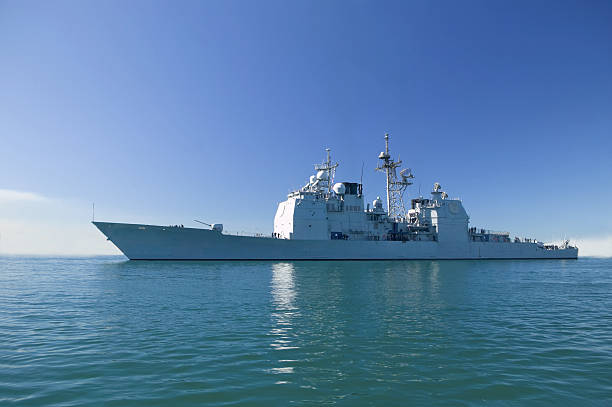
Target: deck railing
{"points": [[246, 233], [481, 231]]}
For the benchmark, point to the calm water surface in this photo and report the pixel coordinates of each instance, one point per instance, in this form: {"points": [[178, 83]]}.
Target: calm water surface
{"points": [[105, 331]]}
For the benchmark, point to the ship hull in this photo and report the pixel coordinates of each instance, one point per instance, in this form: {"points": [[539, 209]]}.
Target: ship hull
{"points": [[149, 242]]}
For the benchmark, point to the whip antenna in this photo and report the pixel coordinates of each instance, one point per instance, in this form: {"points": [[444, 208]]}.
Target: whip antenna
{"points": [[361, 179]]}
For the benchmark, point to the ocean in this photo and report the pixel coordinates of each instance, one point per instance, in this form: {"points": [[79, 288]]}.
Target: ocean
{"points": [[105, 331]]}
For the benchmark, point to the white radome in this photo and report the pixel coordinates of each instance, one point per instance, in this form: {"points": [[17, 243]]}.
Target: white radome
{"points": [[339, 189], [322, 175]]}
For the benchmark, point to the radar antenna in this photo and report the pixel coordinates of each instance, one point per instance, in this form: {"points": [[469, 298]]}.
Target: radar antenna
{"points": [[395, 185], [329, 168]]}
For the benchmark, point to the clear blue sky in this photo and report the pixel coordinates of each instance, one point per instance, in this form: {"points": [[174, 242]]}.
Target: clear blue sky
{"points": [[164, 112]]}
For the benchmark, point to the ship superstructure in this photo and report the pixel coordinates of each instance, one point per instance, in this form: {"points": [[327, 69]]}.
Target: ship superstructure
{"points": [[317, 212], [325, 219]]}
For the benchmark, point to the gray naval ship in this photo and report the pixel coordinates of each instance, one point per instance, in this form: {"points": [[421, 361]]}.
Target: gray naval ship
{"points": [[325, 220]]}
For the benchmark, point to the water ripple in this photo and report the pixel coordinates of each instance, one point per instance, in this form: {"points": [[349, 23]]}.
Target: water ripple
{"points": [[103, 331]]}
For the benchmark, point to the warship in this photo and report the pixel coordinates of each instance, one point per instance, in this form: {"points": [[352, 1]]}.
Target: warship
{"points": [[325, 220]]}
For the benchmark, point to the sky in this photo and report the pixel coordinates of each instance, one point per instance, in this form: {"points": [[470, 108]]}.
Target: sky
{"points": [[165, 112]]}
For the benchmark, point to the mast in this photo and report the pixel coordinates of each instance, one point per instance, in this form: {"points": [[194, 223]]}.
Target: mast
{"points": [[388, 166], [329, 168], [395, 186]]}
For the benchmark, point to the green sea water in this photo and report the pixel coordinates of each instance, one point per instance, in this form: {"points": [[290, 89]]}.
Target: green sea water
{"points": [[109, 332]]}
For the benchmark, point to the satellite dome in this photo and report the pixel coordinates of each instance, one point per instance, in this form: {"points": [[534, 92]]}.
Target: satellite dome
{"points": [[377, 203], [322, 175], [339, 188]]}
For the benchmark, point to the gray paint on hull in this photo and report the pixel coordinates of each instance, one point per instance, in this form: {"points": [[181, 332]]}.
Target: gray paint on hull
{"points": [[149, 242]]}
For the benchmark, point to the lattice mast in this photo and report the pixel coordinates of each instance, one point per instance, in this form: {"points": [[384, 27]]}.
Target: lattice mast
{"points": [[395, 186], [329, 168]]}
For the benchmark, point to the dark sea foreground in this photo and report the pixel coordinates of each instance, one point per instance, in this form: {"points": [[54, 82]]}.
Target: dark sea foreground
{"points": [[105, 331]]}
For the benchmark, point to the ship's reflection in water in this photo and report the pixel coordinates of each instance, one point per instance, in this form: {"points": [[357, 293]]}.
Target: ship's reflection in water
{"points": [[284, 311]]}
